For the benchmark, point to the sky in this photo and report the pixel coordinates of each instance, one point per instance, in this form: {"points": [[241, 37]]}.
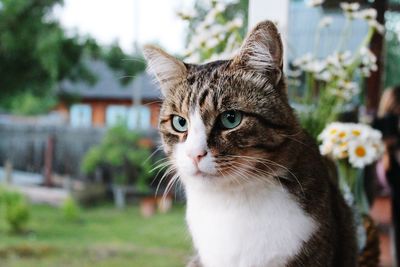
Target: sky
{"points": [[111, 20]]}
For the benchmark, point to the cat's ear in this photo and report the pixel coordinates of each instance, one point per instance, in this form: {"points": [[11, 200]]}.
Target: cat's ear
{"points": [[168, 70], [262, 50]]}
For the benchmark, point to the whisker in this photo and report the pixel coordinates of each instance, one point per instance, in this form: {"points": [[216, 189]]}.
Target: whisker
{"points": [[152, 154], [264, 162]]}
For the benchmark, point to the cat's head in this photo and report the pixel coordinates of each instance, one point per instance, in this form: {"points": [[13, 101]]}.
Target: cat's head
{"points": [[227, 120]]}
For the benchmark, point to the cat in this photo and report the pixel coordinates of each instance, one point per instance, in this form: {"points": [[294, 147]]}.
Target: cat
{"points": [[258, 191]]}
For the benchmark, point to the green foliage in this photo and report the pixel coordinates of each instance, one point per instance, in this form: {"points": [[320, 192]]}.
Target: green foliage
{"points": [[128, 65], [26, 103], [36, 54], [392, 57], [108, 238], [121, 152], [16, 209], [71, 210]]}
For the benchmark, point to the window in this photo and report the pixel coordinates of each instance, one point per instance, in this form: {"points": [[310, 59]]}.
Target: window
{"points": [[116, 114], [80, 115], [139, 117]]}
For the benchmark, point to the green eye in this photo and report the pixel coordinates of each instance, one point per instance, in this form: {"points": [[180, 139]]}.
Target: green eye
{"points": [[179, 124], [231, 119]]}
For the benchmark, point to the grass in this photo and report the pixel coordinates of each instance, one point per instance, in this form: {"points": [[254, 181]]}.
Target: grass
{"points": [[105, 237]]}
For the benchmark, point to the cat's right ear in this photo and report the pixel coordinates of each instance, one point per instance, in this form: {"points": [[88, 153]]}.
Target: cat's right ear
{"points": [[168, 70]]}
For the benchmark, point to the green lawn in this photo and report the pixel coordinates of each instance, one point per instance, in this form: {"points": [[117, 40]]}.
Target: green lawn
{"points": [[106, 237]]}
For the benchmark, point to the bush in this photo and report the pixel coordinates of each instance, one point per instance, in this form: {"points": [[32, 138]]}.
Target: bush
{"points": [[30, 104], [122, 152], [16, 210], [71, 210]]}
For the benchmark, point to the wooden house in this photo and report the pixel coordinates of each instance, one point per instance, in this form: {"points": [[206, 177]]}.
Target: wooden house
{"points": [[108, 101]]}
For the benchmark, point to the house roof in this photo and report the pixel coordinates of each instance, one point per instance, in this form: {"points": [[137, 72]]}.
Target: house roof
{"points": [[108, 85]]}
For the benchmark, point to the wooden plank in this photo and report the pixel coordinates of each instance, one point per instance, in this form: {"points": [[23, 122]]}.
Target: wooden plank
{"points": [[374, 82]]}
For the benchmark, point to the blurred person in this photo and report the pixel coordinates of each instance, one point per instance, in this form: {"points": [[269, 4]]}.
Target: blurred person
{"points": [[388, 169]]}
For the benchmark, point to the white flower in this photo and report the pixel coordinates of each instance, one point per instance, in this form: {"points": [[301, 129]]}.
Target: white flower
{"points": [[345, 89], [325, 76], [325, 22], [350, 86], [339, 59], [357, 142], [220, 7], [370, 15], [216, 30], [315, 66], [301, 61], [367, 55], [361, 154], [380, 149], [236, 23], [367, 14], [326, 148], [314, 3], [359, 131], [212, 42], [187, 14], [294, 73], [332, 131], [350, 7], [340, 150], [368, 60]]}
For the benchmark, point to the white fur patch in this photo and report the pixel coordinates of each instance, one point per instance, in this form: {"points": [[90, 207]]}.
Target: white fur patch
{"points": [[195, 144], [256, 226]]}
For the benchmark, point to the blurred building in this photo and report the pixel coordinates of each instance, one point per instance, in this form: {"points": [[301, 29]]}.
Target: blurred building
{"points": [[108, 101]]}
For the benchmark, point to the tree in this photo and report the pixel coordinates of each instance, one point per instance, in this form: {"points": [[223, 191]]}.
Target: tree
{"points": [[36, 54]]}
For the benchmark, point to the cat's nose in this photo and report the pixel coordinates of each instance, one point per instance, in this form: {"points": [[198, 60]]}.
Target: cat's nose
{"points": [[198, 155]]}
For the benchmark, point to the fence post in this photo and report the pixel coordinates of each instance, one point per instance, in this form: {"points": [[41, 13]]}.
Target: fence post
{"points": [[48, 161], [8, 170]]}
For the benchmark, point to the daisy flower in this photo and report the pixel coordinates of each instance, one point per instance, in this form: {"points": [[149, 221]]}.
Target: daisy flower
{"points": [[361, 154], [358, 143]]}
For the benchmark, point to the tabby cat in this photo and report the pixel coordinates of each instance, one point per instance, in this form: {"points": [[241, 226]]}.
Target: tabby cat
{"points": [[258, 191]]}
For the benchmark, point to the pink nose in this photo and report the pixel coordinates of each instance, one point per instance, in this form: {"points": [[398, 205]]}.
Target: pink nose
{"points": [[198, 155]]}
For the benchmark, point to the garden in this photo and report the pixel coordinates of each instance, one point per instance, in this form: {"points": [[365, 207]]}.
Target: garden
{"points": [[99, 236], [120, 202]]}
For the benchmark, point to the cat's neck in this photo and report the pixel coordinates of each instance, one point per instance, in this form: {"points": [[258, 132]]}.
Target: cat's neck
{"points": [[231, 221]]}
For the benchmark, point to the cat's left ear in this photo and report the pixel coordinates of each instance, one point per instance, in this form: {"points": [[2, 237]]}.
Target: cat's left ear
{"points": [[262, 51], [168, 70]]}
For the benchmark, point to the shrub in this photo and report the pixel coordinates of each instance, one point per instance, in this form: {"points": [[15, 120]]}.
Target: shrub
{"points": [[71, 210], [122, 152], [16, 210]]}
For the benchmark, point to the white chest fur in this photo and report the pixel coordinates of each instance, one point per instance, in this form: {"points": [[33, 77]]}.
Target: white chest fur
{"points": [[256, 227]]}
